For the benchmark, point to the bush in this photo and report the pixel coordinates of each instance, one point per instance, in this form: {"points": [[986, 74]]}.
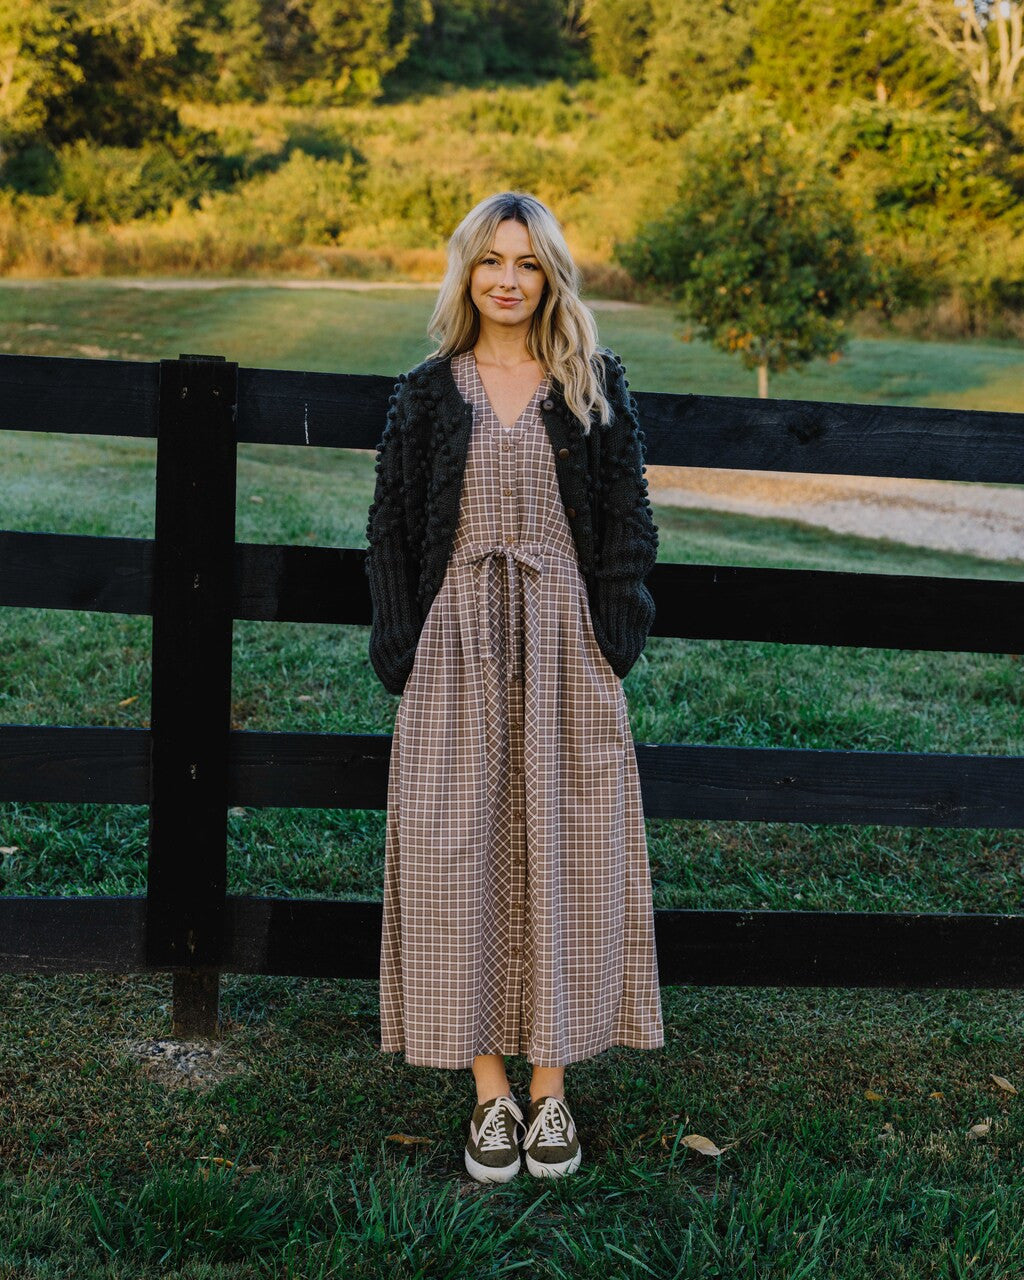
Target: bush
{"points": [[35, 233], [549, 111], [304, 201], [412, 210], [34, 170], [121, 184]]}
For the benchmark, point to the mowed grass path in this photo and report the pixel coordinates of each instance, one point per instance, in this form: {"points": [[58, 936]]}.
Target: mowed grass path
{"points": [[106, 1172]]}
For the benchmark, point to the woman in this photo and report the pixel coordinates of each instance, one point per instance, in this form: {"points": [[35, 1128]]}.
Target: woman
{"points": [[509, 538]]}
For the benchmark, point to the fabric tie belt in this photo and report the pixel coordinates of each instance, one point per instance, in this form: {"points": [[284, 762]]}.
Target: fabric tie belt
{"points": [[517, 557]]}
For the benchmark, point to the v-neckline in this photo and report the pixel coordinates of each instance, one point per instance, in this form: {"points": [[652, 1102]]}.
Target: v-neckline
{"points": [[501, 426]]}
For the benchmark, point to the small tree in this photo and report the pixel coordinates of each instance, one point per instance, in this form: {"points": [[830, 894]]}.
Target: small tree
{"points": [[985, 38], [758, 248]]}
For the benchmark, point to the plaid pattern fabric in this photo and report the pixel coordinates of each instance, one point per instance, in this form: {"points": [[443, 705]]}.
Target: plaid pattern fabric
{"points": [[517, 895]]}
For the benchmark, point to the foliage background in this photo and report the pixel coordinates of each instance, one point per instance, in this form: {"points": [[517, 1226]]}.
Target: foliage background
{"points": [[347, 137]]}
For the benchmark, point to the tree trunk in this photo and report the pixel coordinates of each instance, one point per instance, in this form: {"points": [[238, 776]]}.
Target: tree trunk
{"points": [[762, 381]]}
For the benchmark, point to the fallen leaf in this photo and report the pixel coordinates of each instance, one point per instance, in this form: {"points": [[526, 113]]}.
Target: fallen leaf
{"points": [[699, 1143], [127, 702], [887, 1130], [872, 1096], [406, 1138], [1003, 1083], [9, 848], [937, 1093], [980, 1129]]}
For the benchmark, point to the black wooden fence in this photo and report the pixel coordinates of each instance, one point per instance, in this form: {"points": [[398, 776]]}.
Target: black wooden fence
{"points": [[193, 578]]}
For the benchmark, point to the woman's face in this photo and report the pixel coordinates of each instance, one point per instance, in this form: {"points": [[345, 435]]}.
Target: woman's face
{"points": [[508, 270]]}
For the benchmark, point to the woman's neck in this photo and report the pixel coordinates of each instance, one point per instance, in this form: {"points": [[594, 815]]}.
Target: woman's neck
{"points": [[505, 350]]}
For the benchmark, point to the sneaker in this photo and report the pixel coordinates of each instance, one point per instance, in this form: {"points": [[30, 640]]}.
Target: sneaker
{"points": [[551, 1146], [492, 1150]]}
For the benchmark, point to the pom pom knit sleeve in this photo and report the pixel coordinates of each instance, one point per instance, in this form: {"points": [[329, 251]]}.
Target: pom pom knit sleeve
{"points": [[390, 565], [627, 543]]}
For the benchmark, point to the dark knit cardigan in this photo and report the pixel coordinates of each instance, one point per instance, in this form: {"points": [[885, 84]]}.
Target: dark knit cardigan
{"points": [[421, 460]]}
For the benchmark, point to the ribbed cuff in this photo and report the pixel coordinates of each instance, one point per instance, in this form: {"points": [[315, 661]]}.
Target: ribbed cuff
{"points": [[622, 622]]}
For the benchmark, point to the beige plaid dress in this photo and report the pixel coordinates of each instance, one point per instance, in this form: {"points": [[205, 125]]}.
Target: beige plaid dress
{"points": [[517, 911]]}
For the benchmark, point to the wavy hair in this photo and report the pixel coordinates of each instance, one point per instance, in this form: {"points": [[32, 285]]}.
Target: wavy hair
{"points": [[562, 336]]}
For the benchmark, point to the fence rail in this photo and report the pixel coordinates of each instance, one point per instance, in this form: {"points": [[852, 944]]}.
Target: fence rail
{"points": [[188, 767]]}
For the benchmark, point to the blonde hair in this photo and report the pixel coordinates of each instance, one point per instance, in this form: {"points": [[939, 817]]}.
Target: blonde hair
{"points": [[563, 334]]}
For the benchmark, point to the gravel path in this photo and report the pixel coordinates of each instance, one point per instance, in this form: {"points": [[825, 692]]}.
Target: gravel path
{"points": [[983, 520], [255, 282]]}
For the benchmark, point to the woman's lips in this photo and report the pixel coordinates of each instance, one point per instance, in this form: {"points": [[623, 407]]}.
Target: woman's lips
{"points": [[507, 302]]}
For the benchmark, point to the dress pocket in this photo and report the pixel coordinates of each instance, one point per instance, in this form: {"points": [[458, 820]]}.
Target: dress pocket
{"points": [[603, 712], [591, 644]]}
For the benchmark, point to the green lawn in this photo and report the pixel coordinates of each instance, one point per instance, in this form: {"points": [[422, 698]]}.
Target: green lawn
{"points": [[105, 1172], [382, 331]]}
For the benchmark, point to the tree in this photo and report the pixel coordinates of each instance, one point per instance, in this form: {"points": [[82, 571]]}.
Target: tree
{"points": [[230, 33], [935, 201], [986, 39], [811, 54], [466, 41], [330, 52], [619, 33], [698, 52], [92, 68], [758, 248], [37, 63]]}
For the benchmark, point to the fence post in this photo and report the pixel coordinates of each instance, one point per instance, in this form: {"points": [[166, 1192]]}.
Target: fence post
{"points": [[193, 559]]}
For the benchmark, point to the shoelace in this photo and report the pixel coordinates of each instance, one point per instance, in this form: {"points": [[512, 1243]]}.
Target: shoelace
{"points": [[492, 1132], [553, 1123]]}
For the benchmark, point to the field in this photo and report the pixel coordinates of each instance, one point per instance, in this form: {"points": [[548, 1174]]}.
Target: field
{"points": [[844, 1117]]}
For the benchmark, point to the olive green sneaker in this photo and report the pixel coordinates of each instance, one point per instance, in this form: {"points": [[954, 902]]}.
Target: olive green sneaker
{"points": [[551, 1146], [492, 1147]]}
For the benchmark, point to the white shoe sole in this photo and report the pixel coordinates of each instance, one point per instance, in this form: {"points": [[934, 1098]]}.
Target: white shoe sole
{"points": [[487, 1173], [541, 1170]]}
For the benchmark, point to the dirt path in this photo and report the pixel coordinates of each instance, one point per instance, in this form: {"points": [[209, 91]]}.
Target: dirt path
{"points": [[210, 282], [984, 520], [254, 282]]}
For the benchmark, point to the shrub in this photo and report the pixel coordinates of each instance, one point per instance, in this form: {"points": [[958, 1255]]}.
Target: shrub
{"points": [[120, 184], [305, 200]]}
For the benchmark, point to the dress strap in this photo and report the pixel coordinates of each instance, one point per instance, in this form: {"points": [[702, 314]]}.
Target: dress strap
{"points": [[518, 558]]}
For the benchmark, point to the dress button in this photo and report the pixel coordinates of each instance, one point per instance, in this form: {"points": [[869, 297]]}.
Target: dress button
{"points": [[548, 404], [563, 453], [510, 537], [570, 512], [514, 951], [506, 447], [508, 493]]}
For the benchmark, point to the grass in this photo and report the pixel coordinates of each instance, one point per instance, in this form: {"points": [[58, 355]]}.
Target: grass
{"points": [[844, 1117], [109, 1174], [382, 331]]}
